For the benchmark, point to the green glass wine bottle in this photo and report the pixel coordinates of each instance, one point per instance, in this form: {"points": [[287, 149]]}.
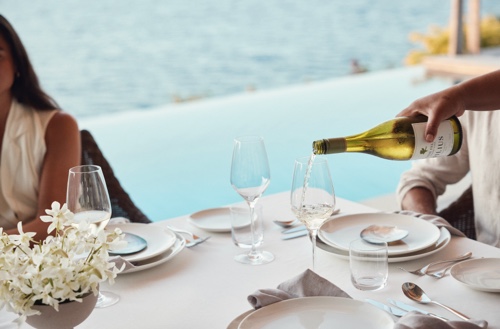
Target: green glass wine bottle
{"points": [[401, 138]]}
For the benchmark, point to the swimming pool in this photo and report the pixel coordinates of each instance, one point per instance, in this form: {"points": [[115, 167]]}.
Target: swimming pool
{"points": [[176, 159]]}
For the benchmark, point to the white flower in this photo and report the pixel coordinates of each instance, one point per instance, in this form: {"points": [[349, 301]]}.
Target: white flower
{"points": [[62, 267]]}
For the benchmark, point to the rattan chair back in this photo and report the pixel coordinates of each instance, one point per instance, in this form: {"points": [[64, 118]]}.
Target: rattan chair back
{"points": [[121, 203]]}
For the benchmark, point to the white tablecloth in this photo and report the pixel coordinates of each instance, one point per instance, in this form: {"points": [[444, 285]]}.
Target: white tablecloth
{"points": [[203, 287]]}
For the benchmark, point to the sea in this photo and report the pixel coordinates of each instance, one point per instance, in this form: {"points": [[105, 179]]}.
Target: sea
{"points": [[164, 86], [101, 56]]}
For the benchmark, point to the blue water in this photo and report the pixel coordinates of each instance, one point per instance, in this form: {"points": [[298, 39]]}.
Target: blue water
{"points": [[176, 159], [103, 56], [118, 65]]}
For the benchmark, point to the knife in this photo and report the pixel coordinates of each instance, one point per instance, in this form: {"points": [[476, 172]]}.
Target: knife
{"points": [[392, 310], [410, 308], [294, 229], [294, 235]]}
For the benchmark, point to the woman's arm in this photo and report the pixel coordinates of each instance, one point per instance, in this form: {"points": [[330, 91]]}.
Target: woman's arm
{"points": [[62, 139]]}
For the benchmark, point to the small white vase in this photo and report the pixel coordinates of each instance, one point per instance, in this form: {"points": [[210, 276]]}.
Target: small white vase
{"points": [[69, 316]]}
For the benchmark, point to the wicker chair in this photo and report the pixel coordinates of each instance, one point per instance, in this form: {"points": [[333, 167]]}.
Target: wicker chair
{"points": [[460, 214], [121, 203]]}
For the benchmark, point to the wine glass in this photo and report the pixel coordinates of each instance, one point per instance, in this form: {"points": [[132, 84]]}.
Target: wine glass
{"points": [[250, 176], [312, 196], [87, 198]]}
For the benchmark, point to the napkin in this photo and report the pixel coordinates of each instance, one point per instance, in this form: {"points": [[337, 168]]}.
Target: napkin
{"points": [[434, 219], [414, 320], [305, 284], [121, 263]]}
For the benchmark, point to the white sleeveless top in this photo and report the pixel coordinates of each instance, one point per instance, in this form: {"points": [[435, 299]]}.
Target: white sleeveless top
{"points": [[23, 152]]}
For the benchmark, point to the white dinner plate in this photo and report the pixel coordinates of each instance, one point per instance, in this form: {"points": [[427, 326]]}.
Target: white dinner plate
{"points": [[480, 274], [341, 230], [159, 239], [318, 312], [444, 239], [160, 259], [212, 220]]}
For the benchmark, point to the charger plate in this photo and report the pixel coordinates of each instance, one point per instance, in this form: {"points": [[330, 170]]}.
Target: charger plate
{"points": [[318, 312], [341, 230], [444, 239]]}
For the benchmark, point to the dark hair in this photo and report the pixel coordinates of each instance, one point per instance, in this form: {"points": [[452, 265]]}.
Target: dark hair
{"points": [[26, 88]]}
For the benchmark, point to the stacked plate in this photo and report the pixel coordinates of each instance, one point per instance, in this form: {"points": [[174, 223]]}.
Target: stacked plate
{"points": [[162, 245], [423, 239]]}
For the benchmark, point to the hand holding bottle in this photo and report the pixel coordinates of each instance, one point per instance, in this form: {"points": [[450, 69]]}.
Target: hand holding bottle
{"points": [[437, 108], [477, 94]]}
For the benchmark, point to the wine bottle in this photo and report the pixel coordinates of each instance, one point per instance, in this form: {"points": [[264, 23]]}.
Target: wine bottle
{"points": [[401, 138]]}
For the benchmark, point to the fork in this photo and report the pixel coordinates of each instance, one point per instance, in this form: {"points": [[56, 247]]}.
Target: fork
{"points": [[422, 271], [442, 272]]}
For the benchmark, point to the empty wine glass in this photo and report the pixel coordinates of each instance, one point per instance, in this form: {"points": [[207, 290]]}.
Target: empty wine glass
{"points": [[87, 197], [250, 176], [312, 196]]}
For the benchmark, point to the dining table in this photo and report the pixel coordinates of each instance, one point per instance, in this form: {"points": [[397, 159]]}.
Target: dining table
{"points": [[204, 287]]}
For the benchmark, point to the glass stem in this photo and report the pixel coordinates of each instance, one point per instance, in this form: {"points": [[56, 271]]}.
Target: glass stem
{"points": [[253, 252], [312, 235]]}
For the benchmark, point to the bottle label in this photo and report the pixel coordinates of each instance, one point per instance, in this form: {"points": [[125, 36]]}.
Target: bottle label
{"points": [[441, 146]]}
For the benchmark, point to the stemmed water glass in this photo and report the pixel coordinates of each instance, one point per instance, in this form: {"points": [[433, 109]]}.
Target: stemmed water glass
{"points": [[250, 176], [312, 196], [87, 197]]}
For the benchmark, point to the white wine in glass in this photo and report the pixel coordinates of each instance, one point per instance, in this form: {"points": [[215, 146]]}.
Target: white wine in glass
{"points": [[312, 196], [87, 198], [250, 177]]}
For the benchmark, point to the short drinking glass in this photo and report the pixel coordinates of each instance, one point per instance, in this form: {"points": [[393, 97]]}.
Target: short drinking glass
{"points": [[369, 264], [241, 230]]}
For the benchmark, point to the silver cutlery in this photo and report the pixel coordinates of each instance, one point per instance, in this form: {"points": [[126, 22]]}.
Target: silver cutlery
{"points": [[441, 273], [298, 234], [415, 293], [392, 310], [422, 271], [285, 223], [195, 240], [294, 229], [409, 308]]}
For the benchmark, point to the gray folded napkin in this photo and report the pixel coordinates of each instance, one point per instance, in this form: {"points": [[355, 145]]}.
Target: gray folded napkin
{"points": [[414, 320], [309, 284], [305, 284], [434, 219], [121, 262]]}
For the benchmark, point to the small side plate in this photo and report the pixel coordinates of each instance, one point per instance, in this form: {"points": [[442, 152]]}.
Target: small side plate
{"points": [[134, 244], [480, 274], [212, 220]]}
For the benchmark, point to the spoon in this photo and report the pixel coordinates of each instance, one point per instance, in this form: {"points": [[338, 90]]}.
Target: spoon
{"points": [[414, 292], [285, 223]]}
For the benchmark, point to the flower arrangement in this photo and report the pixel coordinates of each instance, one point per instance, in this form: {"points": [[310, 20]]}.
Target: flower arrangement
{"points": [[63, 267]]}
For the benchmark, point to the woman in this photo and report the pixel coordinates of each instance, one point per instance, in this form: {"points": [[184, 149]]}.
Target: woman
{"points": [[39, 142]]}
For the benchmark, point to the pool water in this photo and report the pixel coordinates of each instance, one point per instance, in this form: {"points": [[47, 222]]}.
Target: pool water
{"points": [[176, 159]]}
